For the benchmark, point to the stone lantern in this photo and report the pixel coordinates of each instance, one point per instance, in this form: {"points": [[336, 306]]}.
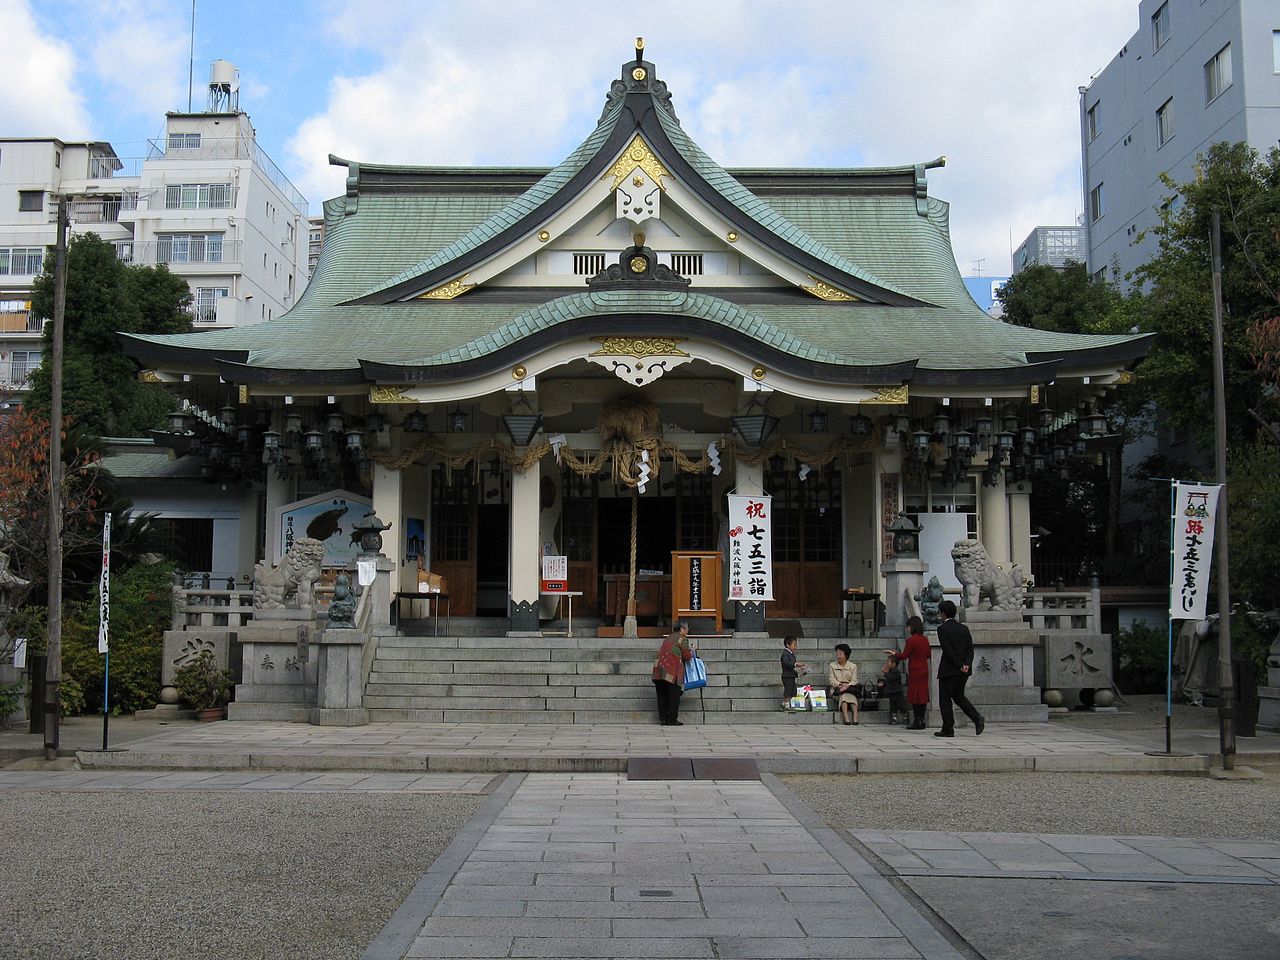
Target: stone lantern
{"points": [[906, 537]]}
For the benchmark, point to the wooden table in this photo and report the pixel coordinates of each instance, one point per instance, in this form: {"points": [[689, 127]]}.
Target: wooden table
{"points": [[431, 597]]}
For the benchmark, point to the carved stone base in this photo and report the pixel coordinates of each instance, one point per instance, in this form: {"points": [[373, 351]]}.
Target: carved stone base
{"points": [[750, 618], [524, 616]]}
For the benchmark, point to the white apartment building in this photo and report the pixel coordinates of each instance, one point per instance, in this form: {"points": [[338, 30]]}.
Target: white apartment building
{"points": [[1196, 72], [206, 200]]}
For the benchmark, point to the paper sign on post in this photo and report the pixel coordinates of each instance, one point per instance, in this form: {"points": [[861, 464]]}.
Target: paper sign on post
{"points": [[555, 574], [366, 572], [20, 653]]}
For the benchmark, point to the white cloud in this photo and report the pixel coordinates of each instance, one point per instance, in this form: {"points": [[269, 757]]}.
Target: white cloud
{"points": [[991, 84], [138, 51], [38, 97]]}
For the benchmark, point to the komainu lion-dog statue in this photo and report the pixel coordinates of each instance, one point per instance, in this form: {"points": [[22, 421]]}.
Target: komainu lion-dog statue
{"points": [[289, 584], [980, 579]]}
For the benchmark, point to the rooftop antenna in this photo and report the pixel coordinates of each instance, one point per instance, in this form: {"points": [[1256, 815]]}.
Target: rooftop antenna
{"points": [[191, 59], [977, 266]]}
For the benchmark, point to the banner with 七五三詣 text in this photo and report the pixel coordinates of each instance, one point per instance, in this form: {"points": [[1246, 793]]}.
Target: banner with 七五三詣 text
{"points": [[1195, 508], [750, 548]]}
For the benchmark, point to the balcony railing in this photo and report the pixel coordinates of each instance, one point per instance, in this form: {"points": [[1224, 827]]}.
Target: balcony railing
{"points": [[176, 255], [95, 211], [16, 374], [234, 148], [23, 321]]}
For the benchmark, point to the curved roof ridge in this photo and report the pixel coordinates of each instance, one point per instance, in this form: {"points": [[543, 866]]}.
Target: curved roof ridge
{"points": [[760, 211], [519, 208], [594, 303]]}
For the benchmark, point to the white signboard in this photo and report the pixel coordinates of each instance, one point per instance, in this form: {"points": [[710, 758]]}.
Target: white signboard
{"points": [[1195, 509], [104, 586], [750, 548], [20, 653], [555, 574], [366, 572]]}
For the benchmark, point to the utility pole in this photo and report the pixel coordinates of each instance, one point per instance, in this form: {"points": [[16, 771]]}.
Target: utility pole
{"points": [[53, 665], [1226, 686]]}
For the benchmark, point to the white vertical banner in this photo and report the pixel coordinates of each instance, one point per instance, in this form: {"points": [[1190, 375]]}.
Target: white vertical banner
{"points": [[1192, 525], [104, 586], [750, 548]]}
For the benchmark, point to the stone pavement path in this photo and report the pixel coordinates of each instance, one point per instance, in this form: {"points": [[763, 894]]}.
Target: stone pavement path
{"points": [[592, 865], [918, 853], [195, 780]]}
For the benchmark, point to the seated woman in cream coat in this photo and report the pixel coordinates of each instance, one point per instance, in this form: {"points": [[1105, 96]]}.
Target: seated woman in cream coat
{"points": [[842, 681]]}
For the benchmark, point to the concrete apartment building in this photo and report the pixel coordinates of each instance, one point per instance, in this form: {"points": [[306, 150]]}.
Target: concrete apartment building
{"points": [[1050, 246], [206, 200], [1195, 72]]}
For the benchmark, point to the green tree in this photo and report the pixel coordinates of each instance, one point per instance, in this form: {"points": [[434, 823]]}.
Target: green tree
{"points": [[1177, 376], [1066, 300], [105, 298]]}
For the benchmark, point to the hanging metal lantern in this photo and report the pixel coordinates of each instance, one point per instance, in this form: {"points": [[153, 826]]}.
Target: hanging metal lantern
{"points": [[860, 425], [941, 423], [1009, 422], [313, 441], [1095, 424], [333, 423], [1080, 448], [227, 416], [1028, 436], [983, 427], [902, 425], [216, 452], [1059, 452], [373, 423], [415, 422], [355, 439], [271, 440], [920, 440], [818, 421], [457, 421], [1045, 418], [1005, 440], [244, 433], [293, 423], [962, 443], [1038, 462], [177, 422]]}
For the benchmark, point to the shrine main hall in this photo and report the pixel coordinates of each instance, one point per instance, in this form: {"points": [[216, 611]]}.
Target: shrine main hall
{"points": [[507, 363]]}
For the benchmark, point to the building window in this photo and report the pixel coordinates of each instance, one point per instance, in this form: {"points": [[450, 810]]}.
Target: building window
{"points": [[195, 196], [687, 264], [31, 201], [1095, 203], [1160, 26], [1099, 275], [587, 264], [1092, 117], [316, 236], [21, 261], [1275, 51], [24, 363], [1164, 122], [184, 141], [1217, 74], [189, 248], [204, 309]]}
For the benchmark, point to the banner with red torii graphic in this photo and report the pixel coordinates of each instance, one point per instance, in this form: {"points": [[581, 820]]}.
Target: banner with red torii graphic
{"points": [[750, 560], [1195, 508]]}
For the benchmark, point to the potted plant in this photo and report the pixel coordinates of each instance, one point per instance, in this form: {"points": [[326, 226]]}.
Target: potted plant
{"points": [[204, 686]]}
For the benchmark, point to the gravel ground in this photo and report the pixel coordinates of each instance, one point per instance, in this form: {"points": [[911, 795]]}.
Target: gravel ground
{"points": [[245, 874], [1070, 803]]}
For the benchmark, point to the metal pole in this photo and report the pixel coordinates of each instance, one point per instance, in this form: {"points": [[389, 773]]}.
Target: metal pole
{"points": [[1227, 698], [53, 665], [106, 674], [1168, 683]]}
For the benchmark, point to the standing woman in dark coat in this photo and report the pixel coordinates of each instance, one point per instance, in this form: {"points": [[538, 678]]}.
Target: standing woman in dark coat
{"points": [[916, 653], [668, 673]]}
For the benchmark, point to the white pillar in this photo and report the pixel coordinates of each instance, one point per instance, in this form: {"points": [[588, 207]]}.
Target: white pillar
{"points": [[279, 492], [525, 574], [388, 503], [993, 518], [1020, 526]]}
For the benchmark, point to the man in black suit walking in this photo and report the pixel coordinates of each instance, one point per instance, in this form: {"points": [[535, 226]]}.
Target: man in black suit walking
{"points": [[953, 671]]}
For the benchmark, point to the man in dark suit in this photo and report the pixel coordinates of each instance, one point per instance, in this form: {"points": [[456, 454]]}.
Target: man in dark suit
{"points": [[953, 671]]}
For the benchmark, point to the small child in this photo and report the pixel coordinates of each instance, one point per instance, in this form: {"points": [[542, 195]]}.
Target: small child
{"points": [[791, 668], [890, 686]]}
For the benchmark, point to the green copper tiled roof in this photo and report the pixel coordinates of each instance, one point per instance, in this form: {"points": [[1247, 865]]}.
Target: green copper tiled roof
{"points": [[757, 209], [513, 212]]}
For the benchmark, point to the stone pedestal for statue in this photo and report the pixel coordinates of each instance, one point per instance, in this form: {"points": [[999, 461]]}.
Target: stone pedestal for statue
{"points": [[339, 678], [1077, 667], [279, 667], [1003, 684], [902, 576], [1269, 696]]}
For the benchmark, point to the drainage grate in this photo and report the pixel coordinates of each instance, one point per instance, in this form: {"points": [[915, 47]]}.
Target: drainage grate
{"points": [[657, 893]]}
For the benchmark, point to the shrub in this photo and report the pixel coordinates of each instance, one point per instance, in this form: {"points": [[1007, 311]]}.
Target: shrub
{"points": [[141, 610], [1143, 656], [202, 684]]}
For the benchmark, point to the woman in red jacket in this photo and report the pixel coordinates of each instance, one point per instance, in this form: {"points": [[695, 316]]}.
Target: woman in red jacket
{"points": [[916, 653]]}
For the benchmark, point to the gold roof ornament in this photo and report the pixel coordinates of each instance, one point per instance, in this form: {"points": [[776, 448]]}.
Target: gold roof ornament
{"points": [[450, 290], [637, 154], [825, 291]]}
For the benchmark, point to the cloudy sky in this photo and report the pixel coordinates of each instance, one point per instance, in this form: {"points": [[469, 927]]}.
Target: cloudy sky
{"points": [[992, 84]]}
